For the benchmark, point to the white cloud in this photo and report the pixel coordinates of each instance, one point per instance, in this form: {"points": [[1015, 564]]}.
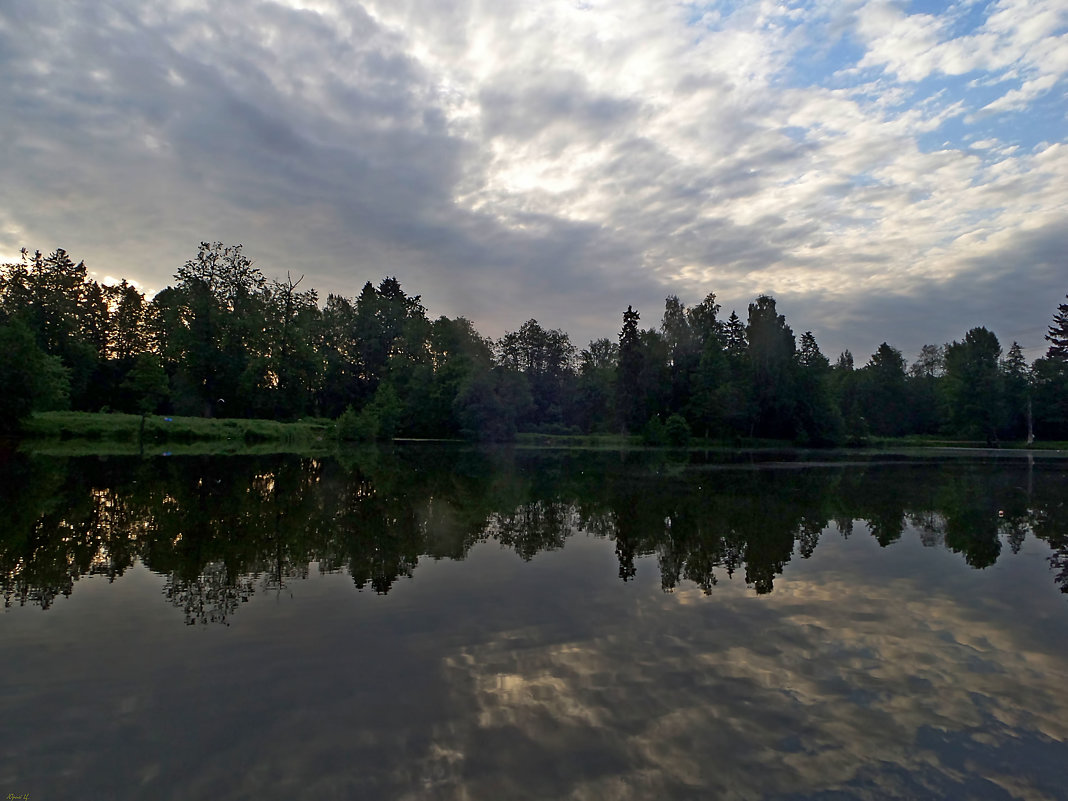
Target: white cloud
{"points": [[556, 160], [1019, 40]]}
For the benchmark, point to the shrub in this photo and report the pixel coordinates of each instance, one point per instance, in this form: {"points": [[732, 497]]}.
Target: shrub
{"points": [[353, 426], [677, 430], [653, 432]]}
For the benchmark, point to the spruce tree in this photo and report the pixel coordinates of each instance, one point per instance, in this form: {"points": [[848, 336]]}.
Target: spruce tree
{"points": [[629, 401], [1058, 334]]}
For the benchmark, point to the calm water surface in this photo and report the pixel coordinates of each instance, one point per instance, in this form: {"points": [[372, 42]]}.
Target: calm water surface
{"points": [[448, 623]]}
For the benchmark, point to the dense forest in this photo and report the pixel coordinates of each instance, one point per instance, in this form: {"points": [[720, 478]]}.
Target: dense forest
{"points": [[224, 341]]}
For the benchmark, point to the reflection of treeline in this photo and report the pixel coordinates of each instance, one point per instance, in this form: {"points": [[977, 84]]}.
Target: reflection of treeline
{"points": [[225, 341], [222, 529]]}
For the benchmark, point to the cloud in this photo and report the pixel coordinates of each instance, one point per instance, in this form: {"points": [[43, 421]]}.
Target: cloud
{"points": [[557, 161]]}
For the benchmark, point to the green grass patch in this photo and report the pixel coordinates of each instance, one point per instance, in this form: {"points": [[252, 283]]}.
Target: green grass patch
{"points": [[127, 428]]}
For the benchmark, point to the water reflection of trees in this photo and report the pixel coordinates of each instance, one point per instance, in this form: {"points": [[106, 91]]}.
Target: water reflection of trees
{"points": [[223, 529]]}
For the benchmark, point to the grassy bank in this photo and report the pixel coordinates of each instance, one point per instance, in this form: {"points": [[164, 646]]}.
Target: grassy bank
{"points": [[625, 441], [95, 432], [127, 429]]}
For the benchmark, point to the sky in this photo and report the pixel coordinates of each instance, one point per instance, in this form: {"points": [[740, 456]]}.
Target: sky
{"points": [[887, 171]]}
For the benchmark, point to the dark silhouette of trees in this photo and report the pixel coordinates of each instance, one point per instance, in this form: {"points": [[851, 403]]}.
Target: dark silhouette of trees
{"points": [[217, 309], [845, 383], [882, 392], [924, 398], [974, 384], [1016, 392], [53, 297], [290, 359], [771, 354], [595, 394], [224, 340], [30, 378], [546, 360], [819, 420]]}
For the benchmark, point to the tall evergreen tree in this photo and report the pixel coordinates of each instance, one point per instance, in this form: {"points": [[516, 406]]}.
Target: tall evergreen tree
{"points": [[734, 336], [630, 403], [1051, 380], [818, 417], [1016, 380], [1057, 335]]}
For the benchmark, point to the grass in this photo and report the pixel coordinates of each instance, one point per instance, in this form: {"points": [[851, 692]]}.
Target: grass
{"points": [[127, 428], [634, 441], [113, 433]]}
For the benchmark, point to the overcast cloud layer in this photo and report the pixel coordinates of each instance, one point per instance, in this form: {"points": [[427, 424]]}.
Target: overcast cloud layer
{"points": [[887, 171]]}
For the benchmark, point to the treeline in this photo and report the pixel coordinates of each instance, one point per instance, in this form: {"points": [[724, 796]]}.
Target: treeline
{"points": [[224, 341]]}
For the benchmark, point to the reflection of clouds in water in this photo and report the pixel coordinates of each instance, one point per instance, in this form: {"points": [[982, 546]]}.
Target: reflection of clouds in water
{"points": [[880, 692]]}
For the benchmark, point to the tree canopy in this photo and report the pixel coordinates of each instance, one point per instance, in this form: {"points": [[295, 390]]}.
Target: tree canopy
{"points": [[225, 340]]}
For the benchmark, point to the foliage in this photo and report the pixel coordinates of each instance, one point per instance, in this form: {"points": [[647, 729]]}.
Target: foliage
{"points": [[882, 392], [353, 426], [546, 360], [653, 432], [147, 383], [974, 384], [1016, 393], [489, 403], [771, 354], [677, 430], [226, 341], [30, 378]]}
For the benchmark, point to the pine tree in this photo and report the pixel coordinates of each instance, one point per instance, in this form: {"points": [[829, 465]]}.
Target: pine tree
{"points": [[734, 335], [629, 401], [1058, 334], [1017, 392], [809, 353]]}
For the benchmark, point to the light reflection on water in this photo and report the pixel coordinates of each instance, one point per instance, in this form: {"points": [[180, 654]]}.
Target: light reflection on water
{"points": [[453, 625]]}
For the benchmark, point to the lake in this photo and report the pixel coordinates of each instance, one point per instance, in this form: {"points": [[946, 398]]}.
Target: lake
{"points": [[447, 622]]}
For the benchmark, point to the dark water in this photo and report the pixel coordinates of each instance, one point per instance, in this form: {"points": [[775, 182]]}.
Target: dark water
{"points": [[446, 623]]}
